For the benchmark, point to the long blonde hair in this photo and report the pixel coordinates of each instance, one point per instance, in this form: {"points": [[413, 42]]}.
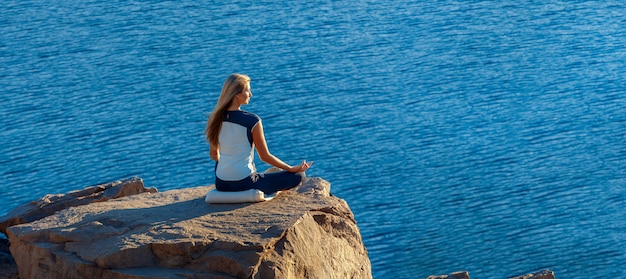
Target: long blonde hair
{"points": [[233, 85]]}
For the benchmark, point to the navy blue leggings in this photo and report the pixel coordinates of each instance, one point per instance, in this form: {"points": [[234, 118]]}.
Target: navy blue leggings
{"points": [[269, 183]]}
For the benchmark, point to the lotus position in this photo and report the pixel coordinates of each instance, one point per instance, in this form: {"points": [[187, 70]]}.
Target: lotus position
{"points": [[233, 134]]}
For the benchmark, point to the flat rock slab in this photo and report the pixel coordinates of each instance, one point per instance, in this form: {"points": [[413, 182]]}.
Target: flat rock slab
{"points": [[301, 233], [50, 204]]}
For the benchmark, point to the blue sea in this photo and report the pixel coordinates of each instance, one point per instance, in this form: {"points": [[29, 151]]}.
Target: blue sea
{"points": [[487, 136]]}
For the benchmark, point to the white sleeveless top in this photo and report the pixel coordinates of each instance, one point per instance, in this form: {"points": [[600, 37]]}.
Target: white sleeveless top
{"points": [[236, 146]]}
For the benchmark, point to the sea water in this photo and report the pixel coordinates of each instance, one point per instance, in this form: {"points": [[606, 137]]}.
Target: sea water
{"points": [[486, 136]]}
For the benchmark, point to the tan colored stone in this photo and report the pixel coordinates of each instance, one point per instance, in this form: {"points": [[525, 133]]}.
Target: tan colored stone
{"points": [[50, 204], [301, 233]]}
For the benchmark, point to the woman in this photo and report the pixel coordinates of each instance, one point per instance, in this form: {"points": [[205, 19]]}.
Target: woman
{"points": [[233, 134]]}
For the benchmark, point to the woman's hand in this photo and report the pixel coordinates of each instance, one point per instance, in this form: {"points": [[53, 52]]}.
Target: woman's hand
{"points": [[300, 168]]}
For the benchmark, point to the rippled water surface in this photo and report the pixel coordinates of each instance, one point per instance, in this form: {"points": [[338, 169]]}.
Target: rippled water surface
{"points": [[486, 136]]}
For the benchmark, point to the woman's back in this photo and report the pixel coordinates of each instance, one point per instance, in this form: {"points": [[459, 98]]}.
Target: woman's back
{"points": [[236, 145]]}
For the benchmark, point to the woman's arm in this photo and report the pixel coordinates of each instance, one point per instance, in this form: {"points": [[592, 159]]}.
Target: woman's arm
{"points": [[258, 136], [215, 152]]}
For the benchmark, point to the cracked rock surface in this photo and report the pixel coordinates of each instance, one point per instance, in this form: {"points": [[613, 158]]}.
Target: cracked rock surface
{"points": [[301, 233]]}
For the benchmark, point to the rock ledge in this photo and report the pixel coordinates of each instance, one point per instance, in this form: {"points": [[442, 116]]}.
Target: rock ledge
{"points": [[301, 233]]}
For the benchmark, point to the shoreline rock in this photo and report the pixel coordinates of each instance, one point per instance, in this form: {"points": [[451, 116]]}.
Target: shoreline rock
{"points": [[544, 274], [454, 275], [301, 233], [8, 267]]}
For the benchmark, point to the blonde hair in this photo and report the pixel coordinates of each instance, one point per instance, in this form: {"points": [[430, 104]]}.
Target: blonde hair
{"points": [[233, 85]]}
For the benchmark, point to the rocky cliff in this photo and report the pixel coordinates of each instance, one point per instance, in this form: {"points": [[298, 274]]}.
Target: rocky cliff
{"points": [[301, 233]]}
